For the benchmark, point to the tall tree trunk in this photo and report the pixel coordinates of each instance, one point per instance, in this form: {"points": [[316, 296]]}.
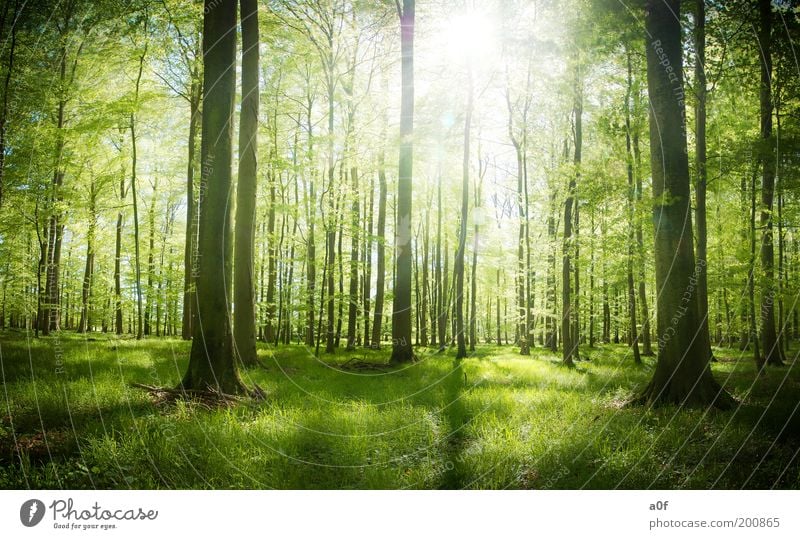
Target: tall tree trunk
{"points": [[355, 212], [700, 166], [474, 271], [682, 375], [244, 321], [311, 249], [773, 355], [647, 347], [6, 89], [402, 350], [366, 257], [441, 279], [212, 363], [423, 311], [84, 324], [631, 215], [50, 311], [134, 180], [381, 241], [458, 265], [751, 276], [568, 337], [190, 243], [118, 321], [151, 270]]}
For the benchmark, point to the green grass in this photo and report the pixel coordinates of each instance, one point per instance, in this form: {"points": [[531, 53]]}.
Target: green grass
{"points": [[70, 419]]}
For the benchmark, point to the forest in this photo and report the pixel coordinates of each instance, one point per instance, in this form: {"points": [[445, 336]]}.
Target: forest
{"points": [[390, 244]]}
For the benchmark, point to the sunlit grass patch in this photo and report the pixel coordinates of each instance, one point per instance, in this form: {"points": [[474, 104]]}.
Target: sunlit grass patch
{"points": [[493, 420]]}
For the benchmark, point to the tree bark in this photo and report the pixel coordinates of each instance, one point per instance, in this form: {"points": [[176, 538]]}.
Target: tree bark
{"points": [[773, 354], [700, 165], [402, 350], [631, 216], [682, 375], [211, 362], [244, 321], [458, 264]]}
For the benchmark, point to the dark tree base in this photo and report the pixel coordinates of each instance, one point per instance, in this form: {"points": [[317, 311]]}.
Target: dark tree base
{"points": [[707, 393], [402, 355]]}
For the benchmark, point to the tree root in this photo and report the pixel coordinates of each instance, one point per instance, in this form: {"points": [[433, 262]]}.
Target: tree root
{"points": [[210, 397]]}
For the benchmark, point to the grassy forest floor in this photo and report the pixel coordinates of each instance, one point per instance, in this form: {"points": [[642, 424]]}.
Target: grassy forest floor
{"points": [[70, 419]]}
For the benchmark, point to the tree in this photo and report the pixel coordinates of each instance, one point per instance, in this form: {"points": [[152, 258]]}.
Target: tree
{"points": [[569, 335], [773, 354], [700, 166], [402, 350], [682, 375], [211, 362], [244, 323], [458, 264]]}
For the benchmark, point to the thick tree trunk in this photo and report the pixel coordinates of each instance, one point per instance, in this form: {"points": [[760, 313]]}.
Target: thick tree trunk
{"points": [[402, 350], [244, 321], [212, 363], [6, 89], [682, 375]]}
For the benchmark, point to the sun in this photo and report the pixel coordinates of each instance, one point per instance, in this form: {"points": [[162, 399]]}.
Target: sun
{"points": [[470, 37]]}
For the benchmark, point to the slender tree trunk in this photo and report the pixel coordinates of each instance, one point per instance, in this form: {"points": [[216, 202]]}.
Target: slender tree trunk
{"points": [[458, 265], [773, 355], [381, 251], [423, 311], [151, 299], [355, 212], [700, 166], [474, 269], [134, 196], [366, 258], [84, 324], [631, 216], [570, 340], [751, 278], [190, 245]]}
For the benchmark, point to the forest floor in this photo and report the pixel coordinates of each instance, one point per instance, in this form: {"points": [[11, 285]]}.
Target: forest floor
{"points": [[71, 419]]}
